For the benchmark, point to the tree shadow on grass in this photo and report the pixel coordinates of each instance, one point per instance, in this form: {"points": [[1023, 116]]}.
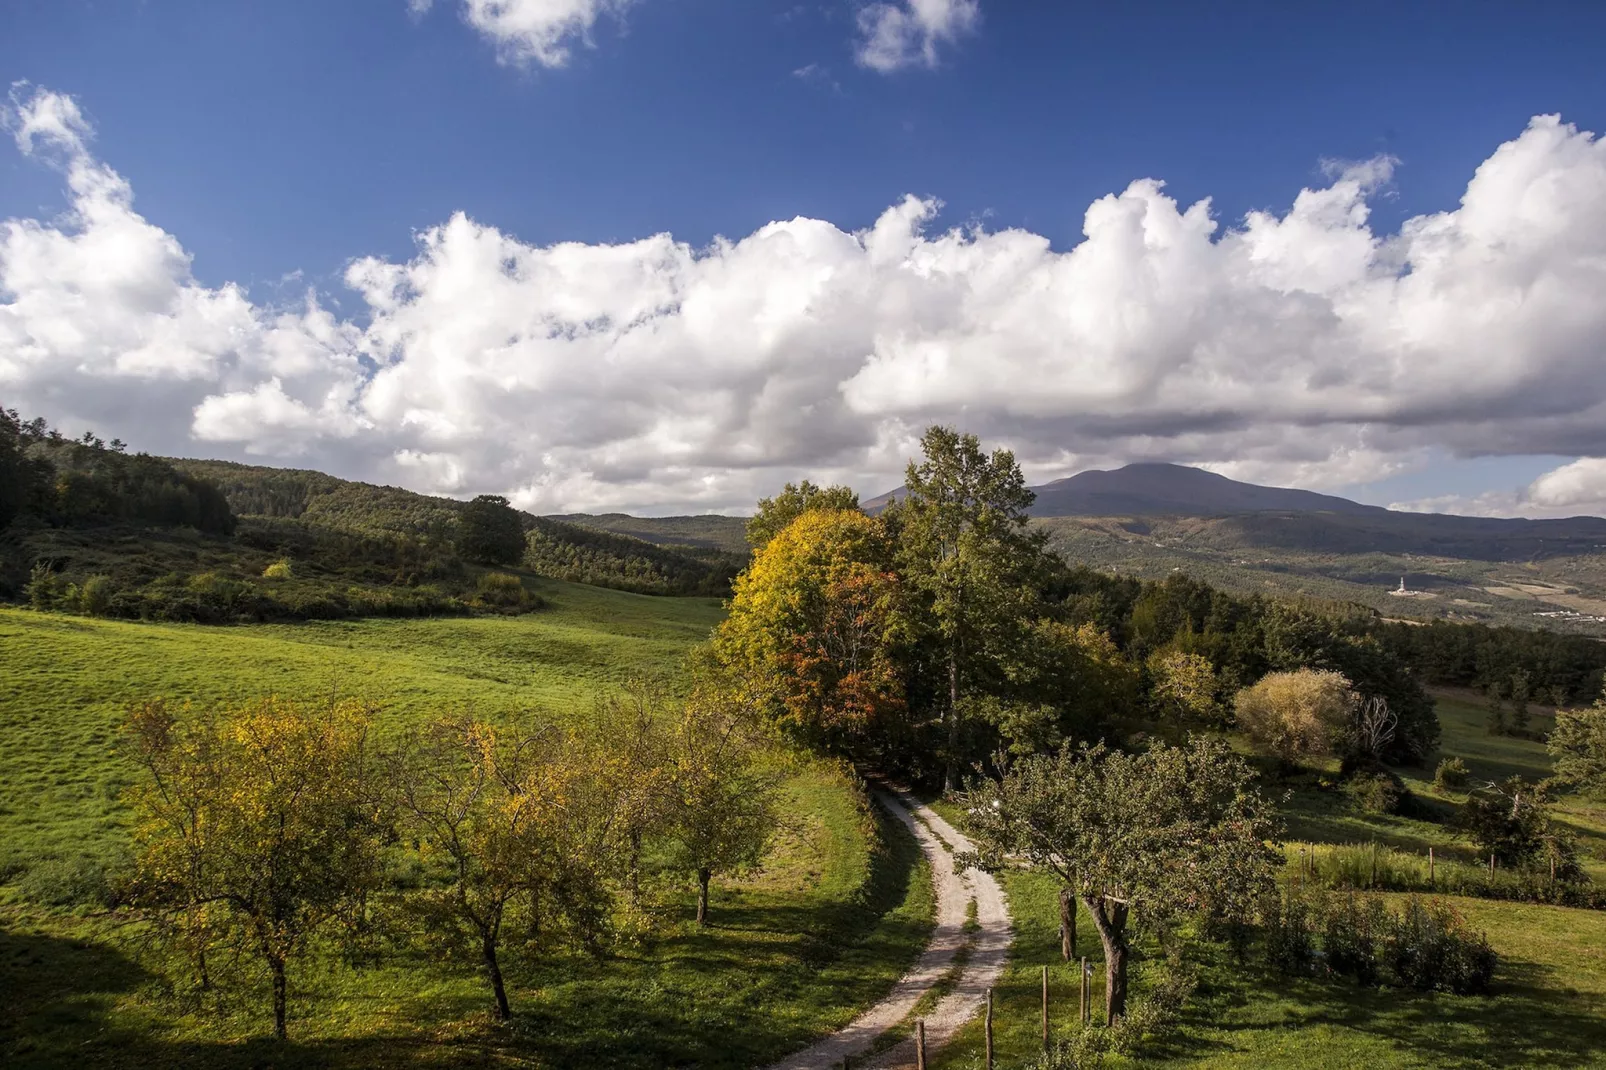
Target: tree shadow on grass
{"points": [[1525, 1021]]}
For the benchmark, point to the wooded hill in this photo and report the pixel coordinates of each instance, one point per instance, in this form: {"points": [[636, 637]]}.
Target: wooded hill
{"points": [[86, 526]]}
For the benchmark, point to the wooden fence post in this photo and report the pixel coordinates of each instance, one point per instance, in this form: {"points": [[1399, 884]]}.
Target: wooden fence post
{"points": [[989, 1029], [1491, 863], [1045, 1008], [1430, 867], [920, 1045], [1087, 1007]]}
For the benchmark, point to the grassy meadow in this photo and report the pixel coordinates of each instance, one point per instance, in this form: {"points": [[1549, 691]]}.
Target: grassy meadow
{"points": [[1548, 1007], [840, 908]]}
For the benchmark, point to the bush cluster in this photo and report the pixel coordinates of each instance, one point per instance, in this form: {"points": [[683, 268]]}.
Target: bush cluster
{"points": [[1426, 945], [1377, 867], [1451, 775], [1376, 792]]}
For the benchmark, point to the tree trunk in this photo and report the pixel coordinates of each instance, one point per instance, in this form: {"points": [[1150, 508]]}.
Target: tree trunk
{"points": [[276, 967], [635, 866], [1109, 917], [950, 768], [1067, 925], [702, 896], [494, 969]]}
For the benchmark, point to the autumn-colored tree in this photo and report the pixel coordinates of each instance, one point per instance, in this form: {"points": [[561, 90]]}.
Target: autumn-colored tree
{"points": [[1169, 833], [511, 825], [1183, 686], [721, 802], [254, 827], [774, 514], [815, 629], [1294, 715]]}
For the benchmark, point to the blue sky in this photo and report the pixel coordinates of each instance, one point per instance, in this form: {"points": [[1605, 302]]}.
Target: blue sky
{"points": [[277, 144]]}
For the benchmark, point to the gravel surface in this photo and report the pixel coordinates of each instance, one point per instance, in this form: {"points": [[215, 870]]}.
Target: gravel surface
{"points": [[989, 946]]}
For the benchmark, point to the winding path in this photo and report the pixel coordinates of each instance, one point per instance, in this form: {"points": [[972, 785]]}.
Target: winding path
{"points": [[989, 946]]}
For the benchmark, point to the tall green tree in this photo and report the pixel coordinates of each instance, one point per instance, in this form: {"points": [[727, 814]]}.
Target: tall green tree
{"points": [[965, 552], [1578, 744], [490, 531], [774, 514], [1159, 836]]}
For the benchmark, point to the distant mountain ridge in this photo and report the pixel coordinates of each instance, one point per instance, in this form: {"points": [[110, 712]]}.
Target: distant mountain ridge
{"points": [[1151, 489], [1159, 489]]}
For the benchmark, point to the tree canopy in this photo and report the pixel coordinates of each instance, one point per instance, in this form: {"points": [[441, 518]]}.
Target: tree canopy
{"points": [[1168, 833], [490, 531]]}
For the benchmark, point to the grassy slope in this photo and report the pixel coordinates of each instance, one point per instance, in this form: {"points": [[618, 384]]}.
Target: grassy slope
{"points": [[1549, 1008], [828, 925]]}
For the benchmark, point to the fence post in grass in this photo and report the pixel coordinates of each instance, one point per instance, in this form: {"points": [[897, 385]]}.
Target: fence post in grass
{"points": [[1086, 1005], [988, 1032], [920, 1045], [1430, 867], [1491, 864], [1045, 1008]]}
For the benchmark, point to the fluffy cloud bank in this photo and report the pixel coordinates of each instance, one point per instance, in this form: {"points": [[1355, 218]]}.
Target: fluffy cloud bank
{"points": [[1298, 347]]}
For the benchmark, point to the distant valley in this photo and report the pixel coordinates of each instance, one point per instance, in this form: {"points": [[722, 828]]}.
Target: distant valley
{"points": [[1153, 519]]}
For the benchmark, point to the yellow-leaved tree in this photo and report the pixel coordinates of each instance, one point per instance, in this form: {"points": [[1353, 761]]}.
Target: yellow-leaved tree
{"points": [[255, 827], [514, 825], [814, 630]]}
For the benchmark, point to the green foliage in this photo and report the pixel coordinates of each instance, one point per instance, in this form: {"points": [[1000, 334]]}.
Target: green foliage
{"points": [[1429, 947], [1172, 833], [1376, 792], [774, 514], [582, 555], [279, 570], [720, 801], [1451, 775], [1183, 687], [64, 482], [1426, 945], [972, 569], [1512, 821], [490, 532], [1578, 745], [504, 592]]}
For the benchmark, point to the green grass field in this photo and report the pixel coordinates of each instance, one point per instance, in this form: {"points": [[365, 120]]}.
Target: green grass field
{"points": [[1549, 1004], [840, 909]]}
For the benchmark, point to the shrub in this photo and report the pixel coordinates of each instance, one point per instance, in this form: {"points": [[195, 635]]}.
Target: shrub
{"points": [[1351, 932], [1451, 775], [1289, 943], [279, 570], [1426, 946], [1377, 792], [1294, 715], [95, 596], [500, 590], [1511, 821], [1430, 947]]}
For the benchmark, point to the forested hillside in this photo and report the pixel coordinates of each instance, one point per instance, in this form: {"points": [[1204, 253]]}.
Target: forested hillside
{"points": [[86, 526]]}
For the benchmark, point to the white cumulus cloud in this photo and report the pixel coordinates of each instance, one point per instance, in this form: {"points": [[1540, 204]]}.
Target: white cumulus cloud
{"points": [[533, 31], [906, 33], [1300, 346]]}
